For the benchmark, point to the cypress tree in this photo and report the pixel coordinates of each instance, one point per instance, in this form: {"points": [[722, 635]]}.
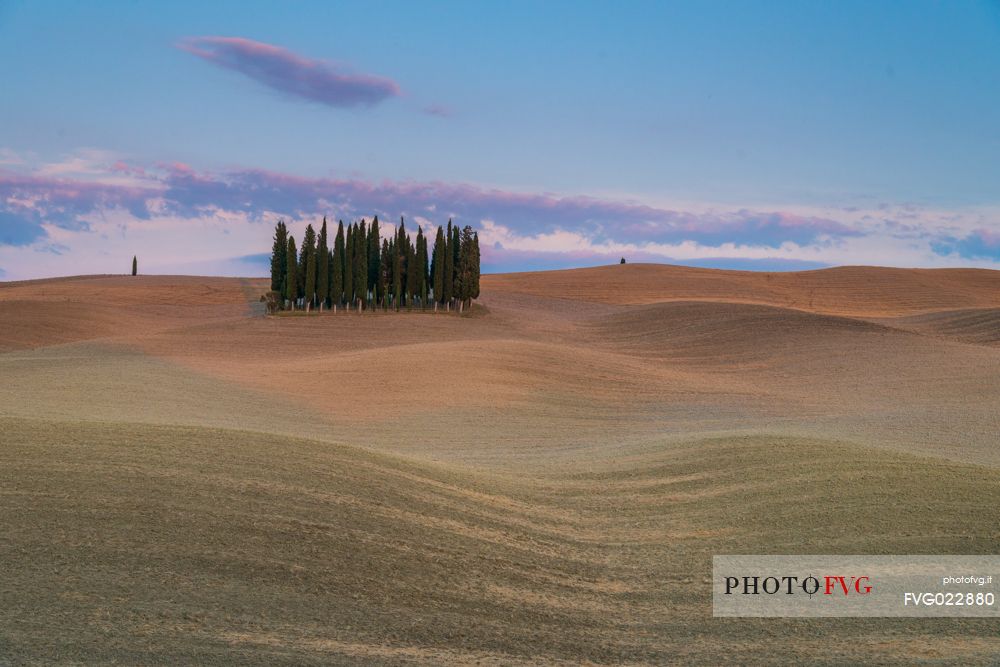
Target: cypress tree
{"points": [[309, 281], [402, 240], [135, 265], [433, 269], [425, 263], [384, 274], [456, 251], [448, 269], [373, 257], [465, 274], [412, 273], [349, 267], [437, 267], [337, 267], [279, 250], [422, 266], [361, 264], [291, 281], [330, 279], [307, 275], [459, 286], [391, 271], [475, 265], [322, 267], [397, 270]]}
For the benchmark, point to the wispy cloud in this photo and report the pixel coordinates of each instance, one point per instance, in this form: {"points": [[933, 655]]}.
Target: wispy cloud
{"points": [[282, 70], [91, 205], [254, 190]]}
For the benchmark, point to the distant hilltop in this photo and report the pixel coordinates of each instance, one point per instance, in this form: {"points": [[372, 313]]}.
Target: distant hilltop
{"points": [[866, 291]]}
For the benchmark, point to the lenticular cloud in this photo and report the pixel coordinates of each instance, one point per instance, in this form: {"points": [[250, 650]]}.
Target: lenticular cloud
{"points": [[287, 72]]}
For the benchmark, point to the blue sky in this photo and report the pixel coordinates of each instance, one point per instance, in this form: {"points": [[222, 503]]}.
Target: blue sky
{"points": [[758, 135]]}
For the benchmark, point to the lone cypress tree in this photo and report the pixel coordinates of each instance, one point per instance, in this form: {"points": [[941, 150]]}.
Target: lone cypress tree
{"points": [[292, 280], [278, 262], [322, 267], [337, 267], [135, 266], [438, 268], [448, 269]]}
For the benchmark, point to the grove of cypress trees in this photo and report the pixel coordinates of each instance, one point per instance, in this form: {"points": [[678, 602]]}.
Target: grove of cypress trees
{"points": [[291, 279], [279, 250], [372, 272], [337, 267], [322, 267]]}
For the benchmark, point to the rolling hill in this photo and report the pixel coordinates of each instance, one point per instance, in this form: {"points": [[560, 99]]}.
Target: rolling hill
{"points": [[541, 481]]}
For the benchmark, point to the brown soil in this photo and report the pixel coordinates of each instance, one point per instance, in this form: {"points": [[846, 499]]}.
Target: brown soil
{"points": [[541, 481]]}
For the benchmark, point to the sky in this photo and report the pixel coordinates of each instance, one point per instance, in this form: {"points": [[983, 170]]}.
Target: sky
{"points": [[751, 135]]}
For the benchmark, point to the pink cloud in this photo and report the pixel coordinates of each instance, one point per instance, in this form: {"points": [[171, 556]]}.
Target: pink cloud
{"points": [[180, 190], [62, 201], [41, 208], [122, 167], [287, 72], [990, 238]]}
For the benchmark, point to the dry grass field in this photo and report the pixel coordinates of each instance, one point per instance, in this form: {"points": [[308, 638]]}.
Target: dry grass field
{"points": [[541, 481]]}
